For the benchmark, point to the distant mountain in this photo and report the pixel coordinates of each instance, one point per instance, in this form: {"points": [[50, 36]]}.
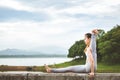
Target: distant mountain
{"points": [[24, 53], [17, 52]]}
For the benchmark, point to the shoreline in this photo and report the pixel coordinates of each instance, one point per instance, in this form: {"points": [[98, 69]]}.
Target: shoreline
{"points": [[4, 68]]}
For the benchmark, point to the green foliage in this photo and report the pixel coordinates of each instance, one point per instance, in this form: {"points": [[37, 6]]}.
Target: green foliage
{"points": [[77, 49], [109, 46]]}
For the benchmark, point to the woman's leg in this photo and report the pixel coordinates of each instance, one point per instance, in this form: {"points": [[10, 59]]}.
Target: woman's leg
{"points": [[76, 69]]}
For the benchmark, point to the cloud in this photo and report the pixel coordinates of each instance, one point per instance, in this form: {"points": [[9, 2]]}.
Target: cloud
{"points": [[46, 3], [35, 34], [14, 5], [41, 24], [71, 9], [8, 14], [96, 8]]}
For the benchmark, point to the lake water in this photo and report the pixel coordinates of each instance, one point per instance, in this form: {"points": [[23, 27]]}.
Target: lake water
{"points": [[32, 61]]}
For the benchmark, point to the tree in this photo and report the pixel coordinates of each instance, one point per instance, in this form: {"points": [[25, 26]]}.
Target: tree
{"points": [[109, 46], [77, 49]]}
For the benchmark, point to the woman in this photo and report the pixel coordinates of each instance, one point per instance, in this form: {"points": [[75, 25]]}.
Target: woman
{"points": [[91, 58]]}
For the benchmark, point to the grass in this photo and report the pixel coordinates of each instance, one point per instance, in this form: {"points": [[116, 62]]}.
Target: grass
{"points": [[108, 68], [101, 68]]}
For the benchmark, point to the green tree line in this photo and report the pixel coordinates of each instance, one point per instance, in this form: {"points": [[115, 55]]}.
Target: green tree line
{"points": [[108, 47]]}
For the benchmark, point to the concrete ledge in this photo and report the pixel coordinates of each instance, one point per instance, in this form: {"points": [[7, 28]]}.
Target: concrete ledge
{"points": [[56, 76]]}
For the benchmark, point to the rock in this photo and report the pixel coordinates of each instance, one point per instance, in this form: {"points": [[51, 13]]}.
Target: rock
{"points": [[56, 76]]}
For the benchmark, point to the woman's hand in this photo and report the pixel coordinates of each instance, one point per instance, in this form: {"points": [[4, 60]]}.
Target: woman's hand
{"points": [[91, 74], [95, 31]]}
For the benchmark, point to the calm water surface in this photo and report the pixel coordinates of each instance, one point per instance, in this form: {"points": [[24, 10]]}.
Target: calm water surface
{"points": [[32, 61]]}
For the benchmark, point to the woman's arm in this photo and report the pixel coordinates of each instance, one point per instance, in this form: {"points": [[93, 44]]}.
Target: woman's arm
{"points": [[91, 61], [93, 43], [92, 50], [93, 40]]}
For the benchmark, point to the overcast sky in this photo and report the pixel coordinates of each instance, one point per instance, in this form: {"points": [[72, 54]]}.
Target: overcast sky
{"points": [[53, 25]]}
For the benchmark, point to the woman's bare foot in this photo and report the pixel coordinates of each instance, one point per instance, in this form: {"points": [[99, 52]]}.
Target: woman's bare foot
{"points": [[48, 69]]}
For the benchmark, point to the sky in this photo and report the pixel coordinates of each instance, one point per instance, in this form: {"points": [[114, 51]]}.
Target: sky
{"points": [[53, 26]]}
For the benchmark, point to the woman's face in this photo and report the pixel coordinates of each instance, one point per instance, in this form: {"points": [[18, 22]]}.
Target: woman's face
{"points": [[87, 40]]}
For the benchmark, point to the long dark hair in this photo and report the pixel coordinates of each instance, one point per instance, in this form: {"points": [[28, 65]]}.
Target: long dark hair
{"points": [[88, 35]]}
